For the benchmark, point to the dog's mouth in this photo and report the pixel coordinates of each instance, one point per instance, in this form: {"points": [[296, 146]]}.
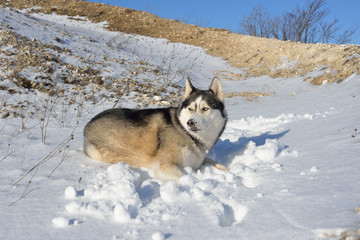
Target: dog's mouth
{"points": [[194, 129]]}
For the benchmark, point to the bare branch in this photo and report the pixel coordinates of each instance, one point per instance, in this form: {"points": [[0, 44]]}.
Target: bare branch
{"points": [[328, 30], [345, 37]]}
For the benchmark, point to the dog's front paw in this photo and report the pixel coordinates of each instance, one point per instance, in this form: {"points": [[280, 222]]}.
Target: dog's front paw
{"points": [[221, 167], [217, 165]]}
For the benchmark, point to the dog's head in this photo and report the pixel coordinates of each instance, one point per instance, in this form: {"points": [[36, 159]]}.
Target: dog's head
{"points": [[202, 112]]}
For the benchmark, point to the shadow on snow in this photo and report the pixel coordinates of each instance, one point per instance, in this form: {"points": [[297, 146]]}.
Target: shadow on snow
{"points": [[224, 150]]}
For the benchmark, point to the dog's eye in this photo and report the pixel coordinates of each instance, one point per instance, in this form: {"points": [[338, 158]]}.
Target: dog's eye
{"points": [[205, 109], [190, 109]]}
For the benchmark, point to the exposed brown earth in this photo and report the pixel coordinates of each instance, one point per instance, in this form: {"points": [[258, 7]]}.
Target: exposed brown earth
{"points": [[256, 56]]}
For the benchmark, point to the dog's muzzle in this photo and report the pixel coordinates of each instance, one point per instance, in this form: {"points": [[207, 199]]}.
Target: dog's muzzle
{"points": [[192, 125]]}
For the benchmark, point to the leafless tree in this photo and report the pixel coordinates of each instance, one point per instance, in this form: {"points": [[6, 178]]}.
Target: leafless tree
{"points": [[328, 30], [287, 29], [307, 19], [257, 23], [305, 24]]}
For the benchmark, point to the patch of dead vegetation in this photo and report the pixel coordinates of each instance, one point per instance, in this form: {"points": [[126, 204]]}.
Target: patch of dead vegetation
{"points": [[56, 78], [248, 96], [256, 56], [21, 54]]}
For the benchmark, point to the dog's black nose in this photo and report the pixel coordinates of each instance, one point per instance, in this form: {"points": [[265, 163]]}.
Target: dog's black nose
{"points": [[191, 123]]}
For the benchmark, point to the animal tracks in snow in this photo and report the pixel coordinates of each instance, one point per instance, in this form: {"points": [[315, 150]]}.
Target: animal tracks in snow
{"points": [[125, 195]]}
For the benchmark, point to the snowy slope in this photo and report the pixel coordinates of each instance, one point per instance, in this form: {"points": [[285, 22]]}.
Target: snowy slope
{"points": [[293, 156]]}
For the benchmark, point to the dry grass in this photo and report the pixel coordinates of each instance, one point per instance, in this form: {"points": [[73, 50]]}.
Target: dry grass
{"points": [[248, 96], [257, 56]]}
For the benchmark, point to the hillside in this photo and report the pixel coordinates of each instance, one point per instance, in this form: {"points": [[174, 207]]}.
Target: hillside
{"points": [[291, 147], [255, 56]]}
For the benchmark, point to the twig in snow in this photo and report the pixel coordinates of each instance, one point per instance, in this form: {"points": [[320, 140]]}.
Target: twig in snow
{"points": [[56, 151], [26, 192], [7, 154]]}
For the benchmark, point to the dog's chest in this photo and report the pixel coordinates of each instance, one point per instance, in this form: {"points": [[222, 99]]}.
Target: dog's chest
{"points": [[192, 157]]}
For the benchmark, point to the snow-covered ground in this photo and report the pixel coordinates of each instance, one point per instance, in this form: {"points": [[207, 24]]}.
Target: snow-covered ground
{"points": [[293, 156]]}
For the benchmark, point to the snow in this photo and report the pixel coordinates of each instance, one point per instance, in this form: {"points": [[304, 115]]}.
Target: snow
{"points": [[158, 236], [60, 222], [70, 192], [293, 156]]}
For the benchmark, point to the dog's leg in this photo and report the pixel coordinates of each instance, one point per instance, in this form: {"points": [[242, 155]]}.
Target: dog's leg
{"points": [[92, 151], [168, 172], [215, 164]]}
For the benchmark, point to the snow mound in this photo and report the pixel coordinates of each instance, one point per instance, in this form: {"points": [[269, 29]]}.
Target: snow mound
{"points": [[158, 236], [70, 192], [111, 194], [60, 222], [124, 195]]}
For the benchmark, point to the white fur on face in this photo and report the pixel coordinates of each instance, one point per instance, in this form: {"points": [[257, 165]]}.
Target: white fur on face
{"points": [[208, 121]]}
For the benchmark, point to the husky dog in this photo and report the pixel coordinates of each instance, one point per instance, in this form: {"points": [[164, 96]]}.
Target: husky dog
{"points": [[164, 139]]}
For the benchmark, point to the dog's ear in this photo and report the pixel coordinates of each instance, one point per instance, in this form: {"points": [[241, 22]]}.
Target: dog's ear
{"points": [[216, 88], [189, 88]]}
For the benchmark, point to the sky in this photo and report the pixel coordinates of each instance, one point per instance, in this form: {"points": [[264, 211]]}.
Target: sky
{"points": [[228, 13]]}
